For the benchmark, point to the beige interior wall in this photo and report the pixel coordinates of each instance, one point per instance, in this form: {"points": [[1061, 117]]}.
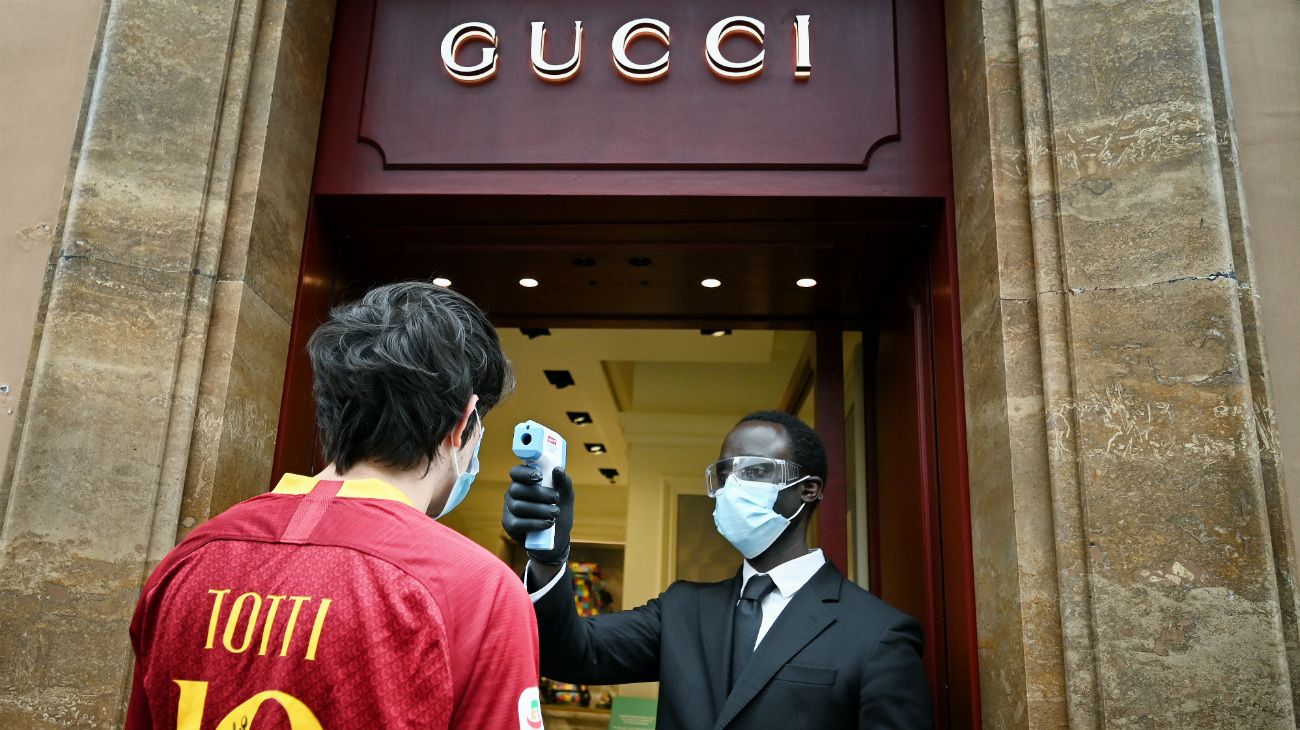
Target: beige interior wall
{"points": [[46, 48], [1263, 49]]}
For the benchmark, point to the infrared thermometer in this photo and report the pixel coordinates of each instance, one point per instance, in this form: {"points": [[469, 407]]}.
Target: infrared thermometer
{"points": [[545, 449]]}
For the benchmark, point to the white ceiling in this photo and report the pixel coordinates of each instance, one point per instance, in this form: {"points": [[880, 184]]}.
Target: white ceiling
{"points": [[656, 371]]}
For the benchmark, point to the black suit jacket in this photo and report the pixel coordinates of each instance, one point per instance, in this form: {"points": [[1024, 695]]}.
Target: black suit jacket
{"points": [[837, 657]]}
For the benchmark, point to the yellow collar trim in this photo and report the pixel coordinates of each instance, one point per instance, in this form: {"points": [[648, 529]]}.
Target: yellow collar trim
{"points": [[352, 488]]}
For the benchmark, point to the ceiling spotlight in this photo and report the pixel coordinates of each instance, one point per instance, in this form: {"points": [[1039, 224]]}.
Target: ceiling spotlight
{"points": [[806, 283], [528, 283], [640, 261], [711, 283], [584, 261], [442, 281], [561, 379], [610, 474], [595, 448], [534, 332], [715, 332], [579, 418]]}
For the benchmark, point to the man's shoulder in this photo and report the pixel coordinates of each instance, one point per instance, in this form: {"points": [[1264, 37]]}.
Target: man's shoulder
{"points": [[253, 519], [690, 590], [445, 560]]}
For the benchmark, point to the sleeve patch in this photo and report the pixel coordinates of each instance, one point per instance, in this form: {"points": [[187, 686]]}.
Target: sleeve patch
{"points": [[530, 710]]}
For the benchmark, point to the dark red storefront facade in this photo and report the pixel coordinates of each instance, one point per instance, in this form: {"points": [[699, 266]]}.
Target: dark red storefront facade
{"points": [[847, 171]]}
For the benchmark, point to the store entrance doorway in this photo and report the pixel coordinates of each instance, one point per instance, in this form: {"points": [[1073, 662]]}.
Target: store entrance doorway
{"points": [[833, 268]]}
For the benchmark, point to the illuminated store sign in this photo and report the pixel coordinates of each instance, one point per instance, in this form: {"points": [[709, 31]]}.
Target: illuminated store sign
{"points": [[541, 85], [627, 34]]}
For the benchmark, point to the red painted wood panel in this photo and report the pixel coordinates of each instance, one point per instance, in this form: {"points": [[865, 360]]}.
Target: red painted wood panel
{"points": [[906, 523], [828, 412], [911, 166], [295, 443], [949, 414], [417, 115]]}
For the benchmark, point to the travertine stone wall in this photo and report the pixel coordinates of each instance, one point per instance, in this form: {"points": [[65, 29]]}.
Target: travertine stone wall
{"points": [[1114, 371], [159, 365]]}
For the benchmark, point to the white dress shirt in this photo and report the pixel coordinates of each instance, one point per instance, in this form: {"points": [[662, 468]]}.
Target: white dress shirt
{"points": [[537, 594], [789, 577]]}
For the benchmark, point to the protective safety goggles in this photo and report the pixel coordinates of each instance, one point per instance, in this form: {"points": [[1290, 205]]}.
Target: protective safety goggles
{"points": [[777, 472]]}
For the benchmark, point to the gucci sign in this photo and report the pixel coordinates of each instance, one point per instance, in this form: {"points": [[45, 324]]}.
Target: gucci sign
{"points": [[652, 29], [633, 84]]}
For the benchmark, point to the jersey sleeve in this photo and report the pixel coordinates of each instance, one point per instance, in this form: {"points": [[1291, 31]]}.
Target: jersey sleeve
{"points": [[500, 690]]}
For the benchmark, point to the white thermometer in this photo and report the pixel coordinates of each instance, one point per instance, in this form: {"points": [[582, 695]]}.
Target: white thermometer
{"points": [[545, 449]]}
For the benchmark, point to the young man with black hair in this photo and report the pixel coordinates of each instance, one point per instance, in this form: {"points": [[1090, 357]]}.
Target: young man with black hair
{"points": [[335, 601], [786, 643]]}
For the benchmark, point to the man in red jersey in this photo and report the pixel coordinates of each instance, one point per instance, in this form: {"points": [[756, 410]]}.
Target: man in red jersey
{"points": [[335, 601]]}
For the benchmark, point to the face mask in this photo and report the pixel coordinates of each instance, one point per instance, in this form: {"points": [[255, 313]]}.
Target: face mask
{"points": [[743, 514], [463, 481]]}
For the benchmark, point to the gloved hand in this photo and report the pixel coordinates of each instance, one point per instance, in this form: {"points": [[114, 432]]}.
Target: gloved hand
{"points": [[531, 507]]}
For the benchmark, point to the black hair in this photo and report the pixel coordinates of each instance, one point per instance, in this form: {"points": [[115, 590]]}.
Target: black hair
{"points": [[393, 371], [809, 452]]}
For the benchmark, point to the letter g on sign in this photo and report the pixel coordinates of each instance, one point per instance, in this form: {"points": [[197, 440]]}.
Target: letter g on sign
{"points": [[457, 37]]}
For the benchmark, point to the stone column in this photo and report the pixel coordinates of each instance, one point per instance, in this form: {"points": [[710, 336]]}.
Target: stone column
{"points": [[156, 380], [1122, 450]]}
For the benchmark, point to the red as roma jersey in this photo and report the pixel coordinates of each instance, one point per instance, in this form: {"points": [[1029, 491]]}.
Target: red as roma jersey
{"points": [[329, 604]]}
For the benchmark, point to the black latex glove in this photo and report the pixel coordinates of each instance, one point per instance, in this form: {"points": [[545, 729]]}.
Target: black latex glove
{"points": [[531, 507]]}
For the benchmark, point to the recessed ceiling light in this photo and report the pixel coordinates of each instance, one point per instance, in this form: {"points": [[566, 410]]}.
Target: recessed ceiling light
{"points": [[710, 283], [806, 283], [528, 283], [610, 474], [534, 332], [578, 418], [715, 332], [561, 379], [640, 261], [595, 448], [442, 281], [584, 261]]}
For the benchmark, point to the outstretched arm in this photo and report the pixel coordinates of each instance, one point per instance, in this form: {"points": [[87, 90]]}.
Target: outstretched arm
{"points": [[609, 649]]}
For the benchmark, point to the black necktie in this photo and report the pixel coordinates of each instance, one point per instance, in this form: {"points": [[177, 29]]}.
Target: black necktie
{"points": [[749, 616]]}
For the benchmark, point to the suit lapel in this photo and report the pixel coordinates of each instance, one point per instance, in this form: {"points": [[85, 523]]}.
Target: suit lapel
{"points": [[803, 619], [717, 601]]}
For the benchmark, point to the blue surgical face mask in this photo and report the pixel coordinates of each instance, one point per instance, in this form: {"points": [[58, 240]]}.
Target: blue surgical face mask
{"points": [[463, 481], [743, 514]]}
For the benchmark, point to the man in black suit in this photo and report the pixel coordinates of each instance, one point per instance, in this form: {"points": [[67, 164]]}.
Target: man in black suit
{"points": [[787, 643]]}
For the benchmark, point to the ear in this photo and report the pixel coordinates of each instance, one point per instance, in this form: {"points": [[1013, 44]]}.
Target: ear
{"points": [[811, 489], [454, 438]]}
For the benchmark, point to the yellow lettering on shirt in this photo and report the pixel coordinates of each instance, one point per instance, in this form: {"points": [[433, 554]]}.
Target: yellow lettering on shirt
{"points": [[270, 622], [194, 696], [216, 612], [316, 628], [293, 622], [238, 620], [232, 622]]}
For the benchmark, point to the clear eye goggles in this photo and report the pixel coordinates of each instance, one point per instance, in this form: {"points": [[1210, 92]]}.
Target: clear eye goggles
{"points": [[777, 472]]}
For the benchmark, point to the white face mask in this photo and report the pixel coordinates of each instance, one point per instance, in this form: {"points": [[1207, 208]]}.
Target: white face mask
{"points": [[463, 481], [743, 514]]}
